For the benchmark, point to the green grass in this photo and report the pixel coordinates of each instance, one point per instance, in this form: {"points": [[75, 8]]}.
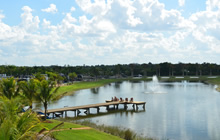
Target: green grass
{"points": [[114, 130], [55, 123], [83, 135], [91, 134], [69, 89]]}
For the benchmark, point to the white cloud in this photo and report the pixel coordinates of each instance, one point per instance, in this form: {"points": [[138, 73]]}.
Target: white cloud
{"points": [[181, 2], [113, 31], [29, 22], [51, 9], [72, 9], [99, 7], [212, 5]]}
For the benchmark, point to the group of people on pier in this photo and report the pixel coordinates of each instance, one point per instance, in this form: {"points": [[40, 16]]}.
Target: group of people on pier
{"points": [[115, 99]]}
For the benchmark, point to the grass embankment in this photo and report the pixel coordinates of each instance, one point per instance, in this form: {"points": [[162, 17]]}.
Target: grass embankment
{"points": [[187, 78], [114, 130], [205, 79], [70, 131], [69, 89], [215, 81]]}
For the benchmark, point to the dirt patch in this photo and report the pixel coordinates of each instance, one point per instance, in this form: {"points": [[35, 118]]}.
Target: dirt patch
{"points": [[47, 121]]}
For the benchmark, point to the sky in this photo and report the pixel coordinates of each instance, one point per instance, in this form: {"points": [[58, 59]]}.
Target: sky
{"points": [[95, 32]]}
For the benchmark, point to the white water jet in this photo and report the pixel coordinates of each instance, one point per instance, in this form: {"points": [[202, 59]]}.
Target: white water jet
{"points": [[154, 86]]}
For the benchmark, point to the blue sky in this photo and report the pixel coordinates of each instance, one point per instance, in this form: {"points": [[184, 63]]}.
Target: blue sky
{"points": [[77, 32]]}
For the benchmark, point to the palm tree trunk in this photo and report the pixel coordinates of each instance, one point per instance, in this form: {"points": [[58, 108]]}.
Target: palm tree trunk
{"points": [[45, 111]]}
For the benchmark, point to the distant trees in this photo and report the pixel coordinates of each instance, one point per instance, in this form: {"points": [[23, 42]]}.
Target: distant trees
{"points": [[163, 69]]}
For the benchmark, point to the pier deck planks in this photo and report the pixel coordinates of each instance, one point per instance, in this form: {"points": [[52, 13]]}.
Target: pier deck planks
{"points": [[94, 106]]}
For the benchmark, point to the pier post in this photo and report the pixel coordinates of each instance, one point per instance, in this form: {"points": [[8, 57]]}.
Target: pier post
{"points": [[78, 112], [137, 106], [75, 113], [87, 111], [144, 106], [65, 113], [107, 107], [117, 107], [98, 109], [133, 106], [125, 106]]}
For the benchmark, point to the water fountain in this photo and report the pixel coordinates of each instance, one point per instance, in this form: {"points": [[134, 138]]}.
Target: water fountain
{"points": [[154, 86]]}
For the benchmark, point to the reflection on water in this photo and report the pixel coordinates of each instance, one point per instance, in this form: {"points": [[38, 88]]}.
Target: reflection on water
{"points": [[186, 111], [120, 112], [95, 90]]}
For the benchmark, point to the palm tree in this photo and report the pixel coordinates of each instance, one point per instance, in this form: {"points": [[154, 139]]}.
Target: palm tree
{"points": [[29, 90], [72, 76], [8, 88], [15, 125], [46, 93]]}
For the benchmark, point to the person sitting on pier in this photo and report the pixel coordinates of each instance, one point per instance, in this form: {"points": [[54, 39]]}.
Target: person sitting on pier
{"points": [[116, 99], [126, 99], [131, 100], [121, 100]]}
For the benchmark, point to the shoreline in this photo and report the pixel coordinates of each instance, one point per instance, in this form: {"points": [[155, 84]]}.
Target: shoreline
{"points": [[71, 89]]}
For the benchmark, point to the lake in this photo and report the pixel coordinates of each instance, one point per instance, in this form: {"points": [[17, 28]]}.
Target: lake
{"points": [[179, 110]]}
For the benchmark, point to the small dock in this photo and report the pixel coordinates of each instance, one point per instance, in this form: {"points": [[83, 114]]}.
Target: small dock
{"points": [[108, 105]]}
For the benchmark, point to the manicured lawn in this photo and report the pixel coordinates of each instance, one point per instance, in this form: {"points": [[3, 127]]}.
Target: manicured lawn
{"points": [[87, 134], [69, 89], [55, 123], [83, 135]]}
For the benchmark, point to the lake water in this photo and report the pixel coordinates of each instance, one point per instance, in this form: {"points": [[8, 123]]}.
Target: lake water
{"points": [[173, 110]]}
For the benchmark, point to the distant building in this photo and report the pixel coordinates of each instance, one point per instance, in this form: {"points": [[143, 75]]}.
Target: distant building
{"points": [[3, 76]]}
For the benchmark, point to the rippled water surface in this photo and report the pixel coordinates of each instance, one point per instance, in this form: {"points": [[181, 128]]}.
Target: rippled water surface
{"points": [[173, 110]]}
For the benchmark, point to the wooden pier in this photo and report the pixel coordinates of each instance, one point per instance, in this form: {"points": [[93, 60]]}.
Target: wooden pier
{"points": [[86, 108]]}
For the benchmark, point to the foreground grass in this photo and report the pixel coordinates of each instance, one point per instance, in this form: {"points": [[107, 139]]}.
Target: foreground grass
{"points": [[67, 133], [114, 130]]}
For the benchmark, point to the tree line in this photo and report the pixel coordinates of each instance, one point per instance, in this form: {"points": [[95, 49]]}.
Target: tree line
{"points": [[133, 69]]}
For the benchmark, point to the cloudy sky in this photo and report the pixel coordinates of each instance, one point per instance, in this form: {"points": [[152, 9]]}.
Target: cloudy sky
{"points": [[77, 32]]}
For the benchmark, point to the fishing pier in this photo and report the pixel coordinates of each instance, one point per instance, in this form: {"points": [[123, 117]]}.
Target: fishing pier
{"points": [[108, 105]]}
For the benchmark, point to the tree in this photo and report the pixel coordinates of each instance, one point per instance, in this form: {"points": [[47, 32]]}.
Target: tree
{"points": [[72, 76], [144, 67], [13, 124], [8, 88], [29, 90], [39, 76], [132, 69], [59, 79], [46, 93], [52, 76]]}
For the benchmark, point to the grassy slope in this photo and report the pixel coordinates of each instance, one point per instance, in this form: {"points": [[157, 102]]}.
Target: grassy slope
{"points": [[90, 134], [215, 81], [69, 89]]}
